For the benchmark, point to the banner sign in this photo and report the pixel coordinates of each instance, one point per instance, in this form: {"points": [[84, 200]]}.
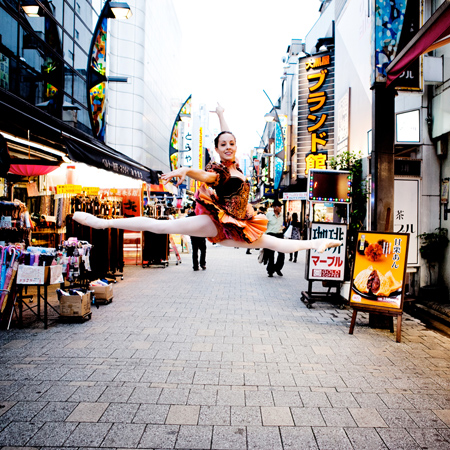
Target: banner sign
{"points": [[315, 110], [279, 147], [184, 113], [329, 265], [378, 277], [295, 196], [396, 22]]}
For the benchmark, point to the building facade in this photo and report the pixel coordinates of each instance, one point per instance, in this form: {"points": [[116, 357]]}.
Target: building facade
{"points": [[420, 164], [147, 50], [44, 57]]}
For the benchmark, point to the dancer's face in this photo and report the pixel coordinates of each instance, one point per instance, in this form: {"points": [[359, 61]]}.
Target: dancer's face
{"points": [[227, 147]]}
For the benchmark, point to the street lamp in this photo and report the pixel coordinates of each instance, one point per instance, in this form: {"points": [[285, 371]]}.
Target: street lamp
{"points": [[96, 78], [270, 116], [120, 10], [30, 8]]}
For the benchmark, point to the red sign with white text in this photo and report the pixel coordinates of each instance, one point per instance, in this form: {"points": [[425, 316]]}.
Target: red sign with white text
{"points": [[329, 265]]}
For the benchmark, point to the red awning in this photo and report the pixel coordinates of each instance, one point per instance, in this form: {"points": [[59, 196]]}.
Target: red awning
{"points": [[30, 170], [158, 188], [432, 35]]}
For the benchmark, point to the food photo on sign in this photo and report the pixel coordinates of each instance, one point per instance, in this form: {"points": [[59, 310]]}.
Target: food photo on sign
{"points": [[379, 270]]}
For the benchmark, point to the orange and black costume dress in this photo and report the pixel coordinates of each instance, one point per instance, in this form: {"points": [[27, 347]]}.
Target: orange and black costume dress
{"points": [[226, 202]]}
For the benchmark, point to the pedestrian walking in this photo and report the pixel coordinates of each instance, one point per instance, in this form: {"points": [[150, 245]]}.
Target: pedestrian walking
{"points": [[222, 212], [305, 228], [295, 233], [198, 244], [275, 228]]}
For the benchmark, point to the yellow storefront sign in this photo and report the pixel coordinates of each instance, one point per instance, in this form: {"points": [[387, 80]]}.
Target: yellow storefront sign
{"points": [[91, 190], [68, 189]]}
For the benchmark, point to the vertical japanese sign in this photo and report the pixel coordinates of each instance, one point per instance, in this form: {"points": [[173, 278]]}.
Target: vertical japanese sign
{"points": [[200, 151], [315, 111], [187, 144], [175, 137], [412, 77], [329, 265], [406, 214], [378, 278]]}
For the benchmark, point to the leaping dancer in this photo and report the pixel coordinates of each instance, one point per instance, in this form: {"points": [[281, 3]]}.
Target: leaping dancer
{"points": [[222, 210]]}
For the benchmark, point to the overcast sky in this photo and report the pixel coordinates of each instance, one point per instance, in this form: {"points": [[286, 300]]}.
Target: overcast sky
{"points": [[232, 52]]}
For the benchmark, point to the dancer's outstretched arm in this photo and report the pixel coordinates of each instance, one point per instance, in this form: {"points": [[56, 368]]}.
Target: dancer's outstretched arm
{"points": [[223, 124], [195, 174]]}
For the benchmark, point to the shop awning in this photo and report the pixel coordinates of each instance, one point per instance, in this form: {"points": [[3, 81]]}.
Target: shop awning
{"points": [[25, 121], [103, 157], [434, 34]]}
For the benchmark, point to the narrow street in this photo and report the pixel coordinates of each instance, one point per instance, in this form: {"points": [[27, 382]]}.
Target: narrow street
{"points": [[225, 358]]}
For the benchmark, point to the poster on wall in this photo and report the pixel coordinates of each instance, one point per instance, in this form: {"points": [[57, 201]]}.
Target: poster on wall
{"points": [[378, 278], [329, 265]]}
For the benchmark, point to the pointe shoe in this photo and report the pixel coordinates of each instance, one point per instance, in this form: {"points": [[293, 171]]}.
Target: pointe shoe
{"points": [[322, 244], [89, 220]]}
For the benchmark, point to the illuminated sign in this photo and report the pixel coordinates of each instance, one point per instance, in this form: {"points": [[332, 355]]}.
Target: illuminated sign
{"points": [[333, 186], [316, 111]]}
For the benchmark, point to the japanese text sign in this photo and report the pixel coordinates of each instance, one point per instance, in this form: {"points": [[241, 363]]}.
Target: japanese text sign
{"points": [[316, 109], [31, 274], [379, 269], [406, 214], [329, 265]]}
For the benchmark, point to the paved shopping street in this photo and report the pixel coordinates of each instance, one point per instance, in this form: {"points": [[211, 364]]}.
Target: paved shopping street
{"points": [[225, 358]]}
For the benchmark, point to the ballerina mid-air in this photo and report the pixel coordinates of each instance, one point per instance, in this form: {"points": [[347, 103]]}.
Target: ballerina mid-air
{"points": [[223, 213]]}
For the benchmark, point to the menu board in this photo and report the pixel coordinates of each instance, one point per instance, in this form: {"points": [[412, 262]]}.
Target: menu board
{"points": [[329, 265], [378, 278]]}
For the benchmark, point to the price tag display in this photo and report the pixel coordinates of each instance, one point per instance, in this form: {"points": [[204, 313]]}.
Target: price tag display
{"points": [[30, 274]]}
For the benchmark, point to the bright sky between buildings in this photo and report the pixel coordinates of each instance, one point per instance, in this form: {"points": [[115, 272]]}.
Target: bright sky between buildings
{"points": [[232, 52]]}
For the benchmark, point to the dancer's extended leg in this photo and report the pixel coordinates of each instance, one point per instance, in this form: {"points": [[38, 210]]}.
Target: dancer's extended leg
{"points": [[285, 245], [201, 226]]}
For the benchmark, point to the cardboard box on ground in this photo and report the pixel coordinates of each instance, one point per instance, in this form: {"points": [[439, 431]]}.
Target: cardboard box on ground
{"points": [[75, 305], [102, 292]]}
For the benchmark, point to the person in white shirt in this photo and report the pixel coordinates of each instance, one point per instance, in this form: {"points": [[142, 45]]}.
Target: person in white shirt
{"points": [[275, 228]]}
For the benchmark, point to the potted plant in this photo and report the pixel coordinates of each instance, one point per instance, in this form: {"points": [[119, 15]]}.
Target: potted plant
{"points": [[352, 161], [432, 250]]}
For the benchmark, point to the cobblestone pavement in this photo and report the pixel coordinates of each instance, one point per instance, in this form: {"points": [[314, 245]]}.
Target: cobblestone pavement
{"points": [[225, 358]]}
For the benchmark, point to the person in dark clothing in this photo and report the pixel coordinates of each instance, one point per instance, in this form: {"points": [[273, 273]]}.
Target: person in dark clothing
{"points": [[296, 233], [198, 244]]}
